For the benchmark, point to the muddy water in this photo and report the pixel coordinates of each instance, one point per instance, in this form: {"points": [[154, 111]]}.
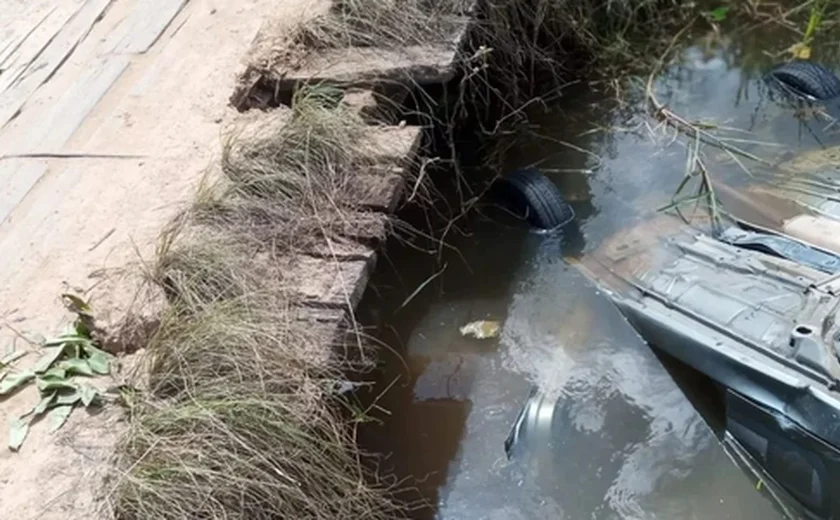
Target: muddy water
{"points": [[634, 436]]}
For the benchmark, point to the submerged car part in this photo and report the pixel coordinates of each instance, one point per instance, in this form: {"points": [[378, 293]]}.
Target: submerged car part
{"points": [[806, 79], [544, 429], [532, 194], [805, 466], [783, 247], [762, 326]]}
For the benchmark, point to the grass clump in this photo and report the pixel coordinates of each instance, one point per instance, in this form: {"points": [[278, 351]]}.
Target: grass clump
{"points": [[240, 416], [296, 178], [241, 422], [384, 23]]}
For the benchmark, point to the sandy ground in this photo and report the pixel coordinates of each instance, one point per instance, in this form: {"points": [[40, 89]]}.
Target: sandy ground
{"points": [[146, 81]]}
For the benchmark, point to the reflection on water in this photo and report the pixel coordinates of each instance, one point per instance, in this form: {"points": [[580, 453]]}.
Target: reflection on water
{"points": [[626, 442]]}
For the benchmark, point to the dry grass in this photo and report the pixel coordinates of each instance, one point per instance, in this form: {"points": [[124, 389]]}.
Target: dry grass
{"points": [[384, 23], [239, 417], [529, 40], [293, 179], [241, 422]]}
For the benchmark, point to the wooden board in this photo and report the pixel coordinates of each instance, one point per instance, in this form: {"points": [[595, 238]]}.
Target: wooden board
{"points": [[57, 126], [365, 67], [382, 190], [396, 145], [342, 250], [330, 283], [137, 32], [68, 112], [34, 72]]}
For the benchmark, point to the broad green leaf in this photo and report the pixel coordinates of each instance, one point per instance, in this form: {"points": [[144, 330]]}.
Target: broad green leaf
{"points": [[88, 394], [719, 14], [13, 381], [76, 366], [56, 372], [58, 416], [11, 357], [48, 384], [51, 356], [68, 339], [18, 431], [99, 360], [43, 405], [69, 398]]}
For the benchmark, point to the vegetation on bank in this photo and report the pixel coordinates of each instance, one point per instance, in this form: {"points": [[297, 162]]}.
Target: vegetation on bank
{"points": [[239, 414]]}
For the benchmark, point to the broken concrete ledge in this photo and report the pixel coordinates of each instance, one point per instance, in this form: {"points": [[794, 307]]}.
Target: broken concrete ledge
{"points": [[330, 278], [266, 81]]}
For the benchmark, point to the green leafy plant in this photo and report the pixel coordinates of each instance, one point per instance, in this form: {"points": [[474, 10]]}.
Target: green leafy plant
{"points": [[717, 14], [71, 354]]}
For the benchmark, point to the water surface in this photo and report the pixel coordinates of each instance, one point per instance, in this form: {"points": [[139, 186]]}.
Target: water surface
{"points": [[634, 439]]}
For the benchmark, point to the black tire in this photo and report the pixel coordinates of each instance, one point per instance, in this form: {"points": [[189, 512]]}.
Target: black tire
{"points": [[535, 196], [807, 79]]}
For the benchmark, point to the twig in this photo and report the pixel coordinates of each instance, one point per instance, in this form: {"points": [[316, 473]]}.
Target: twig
{"points": [[421, 287], [663, 113], [103, 239], [420, 176]]}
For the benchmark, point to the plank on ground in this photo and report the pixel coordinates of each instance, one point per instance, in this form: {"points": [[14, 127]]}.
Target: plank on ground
{"points": [[382, 190], [142, 27], [330, 283], [47, 62], [57, 127], [367, 66], [396, 145], [342, 250]]}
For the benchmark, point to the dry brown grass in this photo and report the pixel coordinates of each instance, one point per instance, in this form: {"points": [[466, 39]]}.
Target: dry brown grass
{"points": [[239, 415], [241, 421], [292, 180], [384, 23]]}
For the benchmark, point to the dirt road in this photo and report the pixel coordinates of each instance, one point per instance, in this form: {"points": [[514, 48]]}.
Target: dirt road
{"points": [[110, 111]]}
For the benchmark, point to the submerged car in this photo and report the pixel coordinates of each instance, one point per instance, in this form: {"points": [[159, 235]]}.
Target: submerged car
{"points": [[756, 310]]}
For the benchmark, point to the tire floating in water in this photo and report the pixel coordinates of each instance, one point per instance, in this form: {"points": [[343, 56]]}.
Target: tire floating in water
{"points": [[807, 79], [535, 196]]}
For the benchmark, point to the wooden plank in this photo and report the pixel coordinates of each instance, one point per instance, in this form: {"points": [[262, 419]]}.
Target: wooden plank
{"points": [[365, 67], [318, 315], [56, 128], [19, 51], [18, 178], [341, 250], [138, 31], [381, 191], [398, 145], [376, 106], [69, 111], [330, 283], [50, 59], [370, 228]]}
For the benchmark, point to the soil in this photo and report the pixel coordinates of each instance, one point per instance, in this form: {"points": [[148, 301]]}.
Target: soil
{"points": [[153, 103]]}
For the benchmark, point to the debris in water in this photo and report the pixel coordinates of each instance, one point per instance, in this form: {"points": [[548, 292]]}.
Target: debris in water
{"points": [[481, 329]]}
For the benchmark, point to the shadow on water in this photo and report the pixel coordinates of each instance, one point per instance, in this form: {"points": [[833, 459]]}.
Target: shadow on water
{"points": [[633, 434]]}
